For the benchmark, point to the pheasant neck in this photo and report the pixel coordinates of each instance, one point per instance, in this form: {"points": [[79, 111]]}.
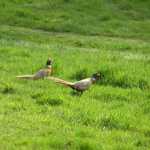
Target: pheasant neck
{"points": [[49, 66], [93, 80]]}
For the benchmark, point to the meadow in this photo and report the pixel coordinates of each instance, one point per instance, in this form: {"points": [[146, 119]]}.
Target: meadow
{"points": [[82, 37]]}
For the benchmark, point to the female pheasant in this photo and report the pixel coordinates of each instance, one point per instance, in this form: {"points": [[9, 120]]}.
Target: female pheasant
{"points": [[41, 73]]}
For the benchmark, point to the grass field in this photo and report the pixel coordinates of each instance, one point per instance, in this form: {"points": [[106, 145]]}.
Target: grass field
{"points": [[82, 37]]}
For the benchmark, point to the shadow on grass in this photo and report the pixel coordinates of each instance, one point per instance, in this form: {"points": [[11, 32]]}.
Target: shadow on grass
{"points": [[49, 101], [7, 89], [79, 75], [41, 99], [109, 97], [76, 93], [111, 123], [123, 80]]}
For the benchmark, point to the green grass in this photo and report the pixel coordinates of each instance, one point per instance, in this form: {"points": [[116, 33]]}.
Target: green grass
{"points": [[114, 113], [121, 18]]}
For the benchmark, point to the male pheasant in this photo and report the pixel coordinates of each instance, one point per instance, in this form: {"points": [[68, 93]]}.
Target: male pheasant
{"points": [[79, 86]]}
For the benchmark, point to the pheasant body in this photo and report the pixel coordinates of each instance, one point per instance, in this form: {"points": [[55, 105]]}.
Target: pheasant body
{"points": [[82, 85], [42, 73]]}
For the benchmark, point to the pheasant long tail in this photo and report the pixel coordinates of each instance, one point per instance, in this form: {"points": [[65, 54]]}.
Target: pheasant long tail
{"points": [[60, 81], [29, 77]]}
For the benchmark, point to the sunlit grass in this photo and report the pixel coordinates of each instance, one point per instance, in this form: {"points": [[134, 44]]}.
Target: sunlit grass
{"points": [[44, 115], [82, 37]]}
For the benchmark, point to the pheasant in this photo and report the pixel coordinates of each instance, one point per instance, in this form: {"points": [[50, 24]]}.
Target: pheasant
{"points": [[41, 73], [79, 86]]}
